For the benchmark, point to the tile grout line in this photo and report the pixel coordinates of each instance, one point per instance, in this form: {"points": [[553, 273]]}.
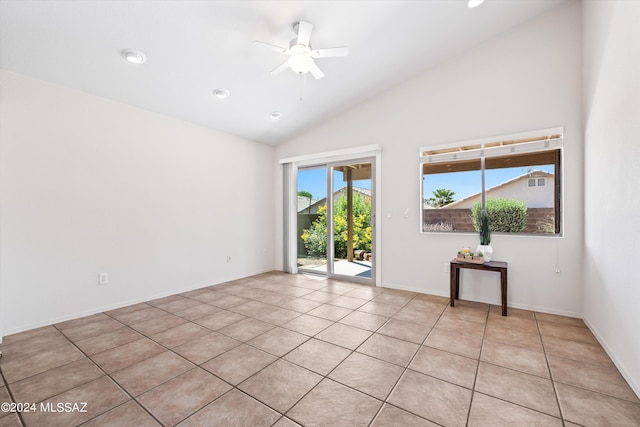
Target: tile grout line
{"points": [[278, 358], [308, 338], [352, 351], [233, 387], [527, 373], [166, 348], [406, 368], [199, 365], [6, 385], [323, 376], [584, 362], [546, 359], [106, 374], [475, 378], [283, 415]]}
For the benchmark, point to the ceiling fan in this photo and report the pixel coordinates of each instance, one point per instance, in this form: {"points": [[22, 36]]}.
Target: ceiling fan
{"points": [[301, 55]]}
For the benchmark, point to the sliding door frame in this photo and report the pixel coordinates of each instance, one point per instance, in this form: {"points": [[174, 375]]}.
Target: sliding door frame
{"points": [[331, 274], [369, 153]]}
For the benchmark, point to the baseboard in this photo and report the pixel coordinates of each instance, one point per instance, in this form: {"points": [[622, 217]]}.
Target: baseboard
{"points": [[509, 304], [623, 371], [119, 305]]}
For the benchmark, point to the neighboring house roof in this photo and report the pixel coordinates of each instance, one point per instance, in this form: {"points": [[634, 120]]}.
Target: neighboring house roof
{"points": [[364, 191], [317, 204], [303, 203], [494, 189]]}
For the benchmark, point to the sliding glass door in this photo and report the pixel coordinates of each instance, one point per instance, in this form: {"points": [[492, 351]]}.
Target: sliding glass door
{"points": [[336, 221], [312, 219]]}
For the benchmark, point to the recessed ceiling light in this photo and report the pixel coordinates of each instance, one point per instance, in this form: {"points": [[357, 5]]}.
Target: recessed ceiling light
{"points": [[134, 56], [275, 115], [221, 93], [474, 3]]}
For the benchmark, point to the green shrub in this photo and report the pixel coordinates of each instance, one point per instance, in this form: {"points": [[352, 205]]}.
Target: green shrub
{"points": [[505, 215], [315, 237]]}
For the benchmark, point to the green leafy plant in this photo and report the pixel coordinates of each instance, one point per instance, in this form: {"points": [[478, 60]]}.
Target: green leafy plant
{"points": [[485, 230], [315, 237], [441, 197], [438, 226], [547, 225], [504, 215]]}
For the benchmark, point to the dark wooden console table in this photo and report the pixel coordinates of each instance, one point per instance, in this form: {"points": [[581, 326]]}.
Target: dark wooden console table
{"points": [[498, 266]]}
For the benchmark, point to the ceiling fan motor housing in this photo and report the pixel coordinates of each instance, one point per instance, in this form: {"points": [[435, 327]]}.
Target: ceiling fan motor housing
{"points": [[294, 46], [301, 55]]}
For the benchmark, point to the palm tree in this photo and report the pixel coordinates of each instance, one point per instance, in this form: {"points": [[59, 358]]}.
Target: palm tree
{"points": [[441, 197], [307, 195]]}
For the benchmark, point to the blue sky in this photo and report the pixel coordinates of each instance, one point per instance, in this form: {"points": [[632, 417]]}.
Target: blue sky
{"points": [[465, 184], [462, 183], [315, 182]]}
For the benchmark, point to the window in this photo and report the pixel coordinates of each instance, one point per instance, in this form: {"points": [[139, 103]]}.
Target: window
{"points": [[533, 182], [521, 183]]}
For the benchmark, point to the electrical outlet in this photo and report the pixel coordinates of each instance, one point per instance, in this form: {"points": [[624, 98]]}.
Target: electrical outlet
{"points": [[447, 267], [103, 278], [228, 259]]}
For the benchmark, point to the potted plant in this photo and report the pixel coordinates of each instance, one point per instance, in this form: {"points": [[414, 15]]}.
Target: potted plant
{"points": [[485, 236]]}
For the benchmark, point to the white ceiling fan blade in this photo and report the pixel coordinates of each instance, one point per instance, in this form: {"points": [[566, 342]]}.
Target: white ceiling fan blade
{"points": [[280, 68], [304, 32], [272, 46], [316, 72], [330, 52]]}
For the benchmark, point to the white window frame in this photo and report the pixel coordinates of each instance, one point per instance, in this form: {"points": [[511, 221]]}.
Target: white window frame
{"points": [[532, 141]]}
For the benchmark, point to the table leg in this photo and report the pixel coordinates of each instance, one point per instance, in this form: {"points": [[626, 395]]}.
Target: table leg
{"points": [[452, 284], [503, 285]]}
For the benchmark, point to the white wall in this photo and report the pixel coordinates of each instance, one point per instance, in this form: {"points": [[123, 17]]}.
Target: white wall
{"points": [[612, 186], [534, 197], [89, 185], [526, 79]]}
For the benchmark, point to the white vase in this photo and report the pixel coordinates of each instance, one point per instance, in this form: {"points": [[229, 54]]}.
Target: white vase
{"points": [[487, 252]]}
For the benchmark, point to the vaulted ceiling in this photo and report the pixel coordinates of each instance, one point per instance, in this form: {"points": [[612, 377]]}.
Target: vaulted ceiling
{"points": [[195, 47]]}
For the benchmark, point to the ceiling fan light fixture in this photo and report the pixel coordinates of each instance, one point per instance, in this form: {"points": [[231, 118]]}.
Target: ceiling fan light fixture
{"points": [[474, 3], [301, 56], [221, 93], [300, 64], [134, 56]]}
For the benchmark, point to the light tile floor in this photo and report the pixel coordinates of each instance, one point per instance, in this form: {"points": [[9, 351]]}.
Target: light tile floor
{"points": [[284, 350]]}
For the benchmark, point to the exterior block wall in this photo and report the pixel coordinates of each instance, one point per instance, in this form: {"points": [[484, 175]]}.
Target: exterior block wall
{"points": [[538, 219]]}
